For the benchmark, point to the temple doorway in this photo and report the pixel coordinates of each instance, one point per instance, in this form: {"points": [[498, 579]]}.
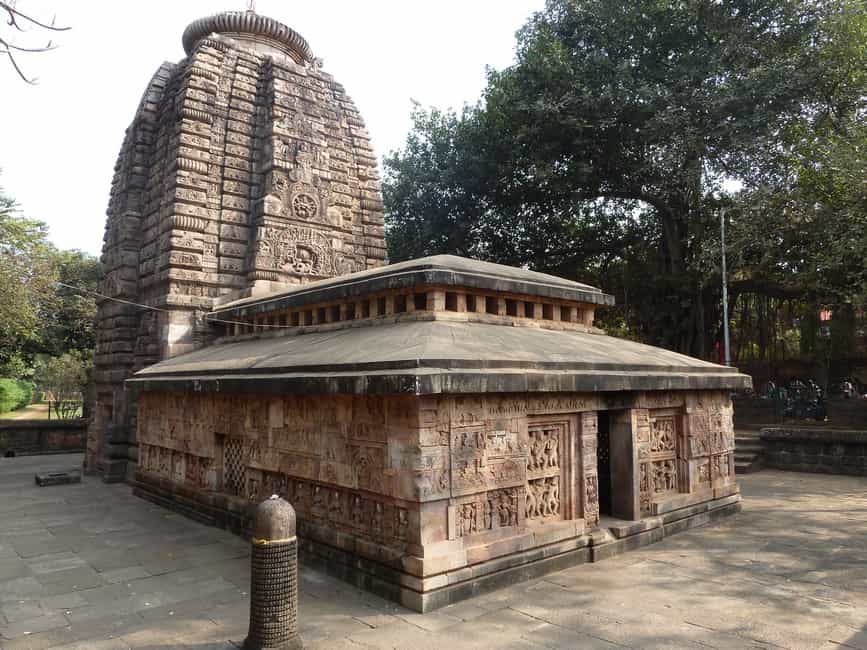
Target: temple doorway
{"points": [[603, 462]]}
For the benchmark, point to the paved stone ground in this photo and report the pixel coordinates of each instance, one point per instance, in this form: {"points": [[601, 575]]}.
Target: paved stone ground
{"points": [[91, 566]]}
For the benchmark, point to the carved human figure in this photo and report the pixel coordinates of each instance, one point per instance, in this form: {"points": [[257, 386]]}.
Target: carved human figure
{"points": [[553, 496], [551, 450], [504, 514], [532, 503]]}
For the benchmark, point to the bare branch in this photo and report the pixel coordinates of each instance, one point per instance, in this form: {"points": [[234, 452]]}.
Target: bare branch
{"points": [[14, 14], [12, 46], [15, 65], [14, 20]]}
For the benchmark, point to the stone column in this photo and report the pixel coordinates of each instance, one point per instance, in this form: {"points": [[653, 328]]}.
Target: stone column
{"points": [[274, 579], [624, 466]]}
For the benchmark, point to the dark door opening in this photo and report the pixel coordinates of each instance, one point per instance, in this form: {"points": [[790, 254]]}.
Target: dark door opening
{"points": [[603, 462]]}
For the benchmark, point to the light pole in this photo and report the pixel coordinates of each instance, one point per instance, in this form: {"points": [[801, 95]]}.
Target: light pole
{"points": [[725, 289]]}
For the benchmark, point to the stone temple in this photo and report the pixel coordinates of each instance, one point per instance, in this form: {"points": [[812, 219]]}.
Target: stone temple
{"points": [[442, 426], [246, 169]]}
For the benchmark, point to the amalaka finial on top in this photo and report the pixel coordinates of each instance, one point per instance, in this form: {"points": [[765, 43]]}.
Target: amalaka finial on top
{"points": [[262, 33]]}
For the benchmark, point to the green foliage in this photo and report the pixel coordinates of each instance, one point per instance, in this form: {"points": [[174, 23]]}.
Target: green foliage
{"points": [[71, 314], [14, 394], [37, 316], [26, 275], [64, 379], [607, 152]]}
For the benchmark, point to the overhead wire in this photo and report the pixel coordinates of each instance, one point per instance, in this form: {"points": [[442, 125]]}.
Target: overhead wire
{"points": [[160, 309]]}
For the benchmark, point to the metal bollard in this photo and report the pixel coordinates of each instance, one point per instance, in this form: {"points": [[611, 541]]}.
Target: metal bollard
{"points": [[274, 579]]}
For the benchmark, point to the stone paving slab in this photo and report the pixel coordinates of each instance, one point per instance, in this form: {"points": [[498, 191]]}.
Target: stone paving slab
{"points": [[89, 566]]}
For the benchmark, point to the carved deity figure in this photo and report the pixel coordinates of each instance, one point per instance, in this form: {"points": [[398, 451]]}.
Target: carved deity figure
{"points": [[530, 502], [551, 450]]}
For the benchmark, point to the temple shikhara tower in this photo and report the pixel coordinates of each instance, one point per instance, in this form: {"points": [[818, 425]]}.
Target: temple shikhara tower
{"points": [[246, 168], [442, 426]]}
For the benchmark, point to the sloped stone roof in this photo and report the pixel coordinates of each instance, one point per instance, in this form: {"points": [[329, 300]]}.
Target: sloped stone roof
{"points": [[428, 357]]}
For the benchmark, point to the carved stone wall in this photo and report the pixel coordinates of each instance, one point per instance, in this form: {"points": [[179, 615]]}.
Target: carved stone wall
{"points": [[449, 480], [341, 461], [685, 445], [241, 172]]}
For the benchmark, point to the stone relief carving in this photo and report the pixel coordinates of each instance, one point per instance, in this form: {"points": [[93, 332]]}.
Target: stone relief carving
{"points": [[295, 250], [663, 434], [483, 460], [721, 466], [664, 476], [589, 429], [543, 450], [303, 191], [487, 511], [658, 469], [544, 475], [543, 498], [591, 507]]}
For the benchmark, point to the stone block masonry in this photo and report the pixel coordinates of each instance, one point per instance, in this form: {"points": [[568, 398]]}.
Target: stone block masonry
{"points": [[820, 450], [25, 437], [246, 168]]}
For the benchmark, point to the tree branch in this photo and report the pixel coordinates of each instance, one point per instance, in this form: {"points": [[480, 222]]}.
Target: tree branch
{"points": [[14, 14], [18, 69], [8, 47]]}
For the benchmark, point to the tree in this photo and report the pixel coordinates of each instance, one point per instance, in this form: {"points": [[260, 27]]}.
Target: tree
{"points": [[27, 274], [614, 141], [65, 379], [71, 312], [37, 315]]}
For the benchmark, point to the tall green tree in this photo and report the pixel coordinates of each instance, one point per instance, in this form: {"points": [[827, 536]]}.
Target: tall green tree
{"points": [[71, 310], [618, 136], [37, 315], [27, 273]]}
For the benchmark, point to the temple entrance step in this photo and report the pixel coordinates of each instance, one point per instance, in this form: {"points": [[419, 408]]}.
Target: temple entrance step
{"points": [[621, 528]]}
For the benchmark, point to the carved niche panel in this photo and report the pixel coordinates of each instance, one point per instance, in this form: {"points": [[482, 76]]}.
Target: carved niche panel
{"points": [[304, 192], [549, 471], [484, 512], [658, 469], [710, 432], [484, 460], [722, 467], [296, 250]]}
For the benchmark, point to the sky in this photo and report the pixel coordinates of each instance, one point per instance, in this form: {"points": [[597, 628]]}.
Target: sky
{"points": [[59, 138]]}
